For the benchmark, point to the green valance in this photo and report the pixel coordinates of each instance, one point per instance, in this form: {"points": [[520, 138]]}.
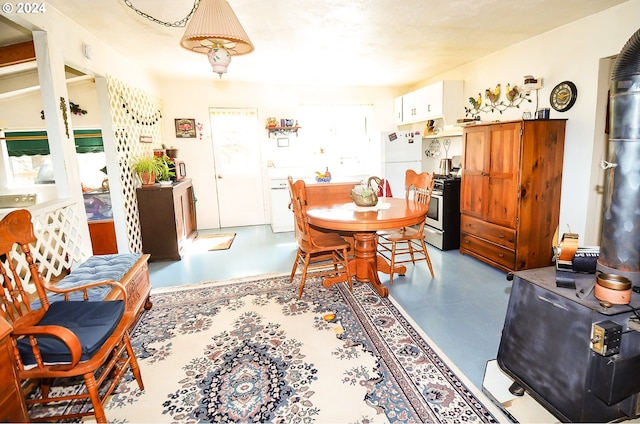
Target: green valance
{"points": [[29, 143]]}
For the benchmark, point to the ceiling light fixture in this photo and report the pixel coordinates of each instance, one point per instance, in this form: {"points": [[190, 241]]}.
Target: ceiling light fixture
{"points": [[214, 30]]}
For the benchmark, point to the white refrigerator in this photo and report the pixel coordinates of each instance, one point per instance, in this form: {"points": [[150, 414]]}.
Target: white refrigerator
{"points": [[401, 150]]}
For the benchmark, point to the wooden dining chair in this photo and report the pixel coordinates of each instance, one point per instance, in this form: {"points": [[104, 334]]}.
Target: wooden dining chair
{"points": [[62, 339], [407, 244], [323, 254]]}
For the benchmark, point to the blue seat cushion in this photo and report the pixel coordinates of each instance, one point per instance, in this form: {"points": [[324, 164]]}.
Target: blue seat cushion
{"points": [[96, 268], [91, 322]]}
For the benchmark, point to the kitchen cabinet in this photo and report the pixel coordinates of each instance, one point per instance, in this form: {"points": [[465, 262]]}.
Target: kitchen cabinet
{"points": [[441, 100], [510, 192], [167, 219], [397, 110], [415, 106]]}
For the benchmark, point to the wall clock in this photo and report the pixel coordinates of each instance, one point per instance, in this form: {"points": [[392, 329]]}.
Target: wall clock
{"points": [[563, 96]]}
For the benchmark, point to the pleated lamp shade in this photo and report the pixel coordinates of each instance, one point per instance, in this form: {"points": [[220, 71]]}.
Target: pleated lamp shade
{"points": [[215, 25]]}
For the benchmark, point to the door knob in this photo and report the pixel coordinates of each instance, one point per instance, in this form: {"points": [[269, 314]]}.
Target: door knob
{"points": [[219, 176]]}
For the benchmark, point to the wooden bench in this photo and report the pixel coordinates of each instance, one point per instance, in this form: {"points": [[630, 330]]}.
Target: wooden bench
{"points": [[130, 269]]}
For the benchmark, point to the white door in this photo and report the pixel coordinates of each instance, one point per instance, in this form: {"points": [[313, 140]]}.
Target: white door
{"points": [[236, 157]]}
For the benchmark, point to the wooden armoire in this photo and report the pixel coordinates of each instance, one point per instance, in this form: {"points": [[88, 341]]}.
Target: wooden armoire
{"points": [[510, 192]]}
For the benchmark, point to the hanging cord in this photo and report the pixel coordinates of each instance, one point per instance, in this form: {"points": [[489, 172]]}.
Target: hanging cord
{"points": [[182, 22], [635, 311]]}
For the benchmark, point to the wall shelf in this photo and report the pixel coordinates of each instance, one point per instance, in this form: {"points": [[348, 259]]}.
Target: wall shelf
{"points": [[283, 130]]}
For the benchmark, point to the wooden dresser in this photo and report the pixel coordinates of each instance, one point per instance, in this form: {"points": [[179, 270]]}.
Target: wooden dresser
{"points": [[510, 192], [167, 219], [12, 406]]}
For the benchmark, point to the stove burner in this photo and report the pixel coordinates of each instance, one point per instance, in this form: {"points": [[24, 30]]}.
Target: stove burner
{"points": [[445, 177]]}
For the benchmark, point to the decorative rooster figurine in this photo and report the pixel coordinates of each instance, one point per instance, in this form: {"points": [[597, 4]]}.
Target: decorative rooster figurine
{"points": [[512, 93], [494, 95], [477, 104]]}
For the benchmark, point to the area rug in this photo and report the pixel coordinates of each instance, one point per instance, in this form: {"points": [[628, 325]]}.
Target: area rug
{"points": [[211, 242], [250, 351]]}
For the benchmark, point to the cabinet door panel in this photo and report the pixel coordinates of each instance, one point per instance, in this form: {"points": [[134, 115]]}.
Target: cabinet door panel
{"points": [[471, 198], [475, 162], [397, 108], [504, 150], [501, 202], [504, 153], [179, 216], [189, 212], [434, 100]]}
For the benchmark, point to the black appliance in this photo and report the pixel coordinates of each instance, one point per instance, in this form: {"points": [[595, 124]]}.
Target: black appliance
{"points": [[442, 228], [577, 358]]}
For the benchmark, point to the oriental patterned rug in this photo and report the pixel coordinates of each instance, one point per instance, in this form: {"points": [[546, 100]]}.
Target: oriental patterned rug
{"points": [[250, 351]]}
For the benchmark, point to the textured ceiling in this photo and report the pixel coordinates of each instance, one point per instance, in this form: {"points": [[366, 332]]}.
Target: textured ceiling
{"points": [[350, 42]]}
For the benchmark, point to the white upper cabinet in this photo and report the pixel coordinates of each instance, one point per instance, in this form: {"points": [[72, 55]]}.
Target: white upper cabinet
{"points": [[397, 109], [435, 99], [441, 100], [415, 106]]}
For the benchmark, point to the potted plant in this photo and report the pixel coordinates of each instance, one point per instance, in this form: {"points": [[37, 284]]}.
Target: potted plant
{"points": [[147, 168], [165, 171]]}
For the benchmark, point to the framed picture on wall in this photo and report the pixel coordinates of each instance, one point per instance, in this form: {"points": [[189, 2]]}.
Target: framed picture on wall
{"points": [[185, 128]]}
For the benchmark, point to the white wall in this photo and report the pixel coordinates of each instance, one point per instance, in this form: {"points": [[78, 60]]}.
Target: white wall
{"points": [[572, 52], [192, 99], [23, 112]]}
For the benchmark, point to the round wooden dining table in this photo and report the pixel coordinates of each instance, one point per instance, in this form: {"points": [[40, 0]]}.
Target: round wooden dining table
{"points": [[364, 223]]}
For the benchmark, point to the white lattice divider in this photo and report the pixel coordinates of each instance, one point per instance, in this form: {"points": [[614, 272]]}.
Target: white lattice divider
{"points": [[134, 113], [58, 242], [58, 239]]}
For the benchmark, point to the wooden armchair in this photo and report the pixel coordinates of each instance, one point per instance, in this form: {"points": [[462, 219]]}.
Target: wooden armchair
{"points": [[67, 338], [407, 244], [324, 253]]}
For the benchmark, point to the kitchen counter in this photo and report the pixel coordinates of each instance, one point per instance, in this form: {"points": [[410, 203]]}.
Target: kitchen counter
{"points": [[338, 174], [336, 191], [336, 180]]}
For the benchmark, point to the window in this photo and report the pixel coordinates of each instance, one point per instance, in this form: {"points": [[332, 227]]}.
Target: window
{"points": [[339, 131], [30, 160]]}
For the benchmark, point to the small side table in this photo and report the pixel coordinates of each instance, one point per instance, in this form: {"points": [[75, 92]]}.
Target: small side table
{"points": [[12, 406]]}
